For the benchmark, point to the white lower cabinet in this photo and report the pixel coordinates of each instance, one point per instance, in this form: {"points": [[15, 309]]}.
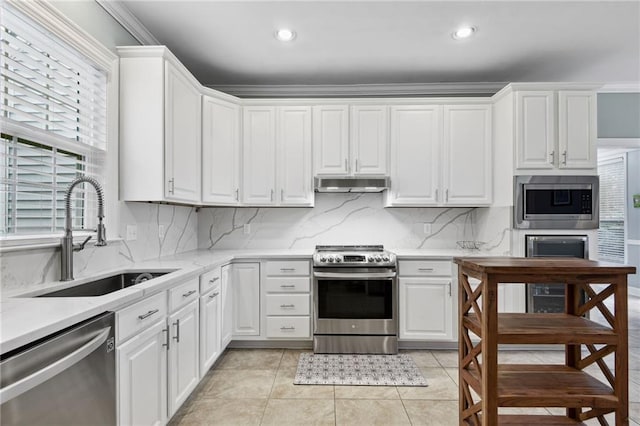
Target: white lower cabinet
{"points": [[142, 377], [210, 329], [246, 299], [287, 299], [183, 355], [426, 301], [226, 297]]}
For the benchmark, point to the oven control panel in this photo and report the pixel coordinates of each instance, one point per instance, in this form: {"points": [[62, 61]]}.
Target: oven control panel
{"points": [[354, 259]]}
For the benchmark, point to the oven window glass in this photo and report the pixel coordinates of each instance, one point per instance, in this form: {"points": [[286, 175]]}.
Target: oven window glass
{"points": [[355, 299], [558, 201]]}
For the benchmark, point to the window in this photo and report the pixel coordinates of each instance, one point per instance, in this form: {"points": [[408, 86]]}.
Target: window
{"points": [[612, 189], [53, 112]]}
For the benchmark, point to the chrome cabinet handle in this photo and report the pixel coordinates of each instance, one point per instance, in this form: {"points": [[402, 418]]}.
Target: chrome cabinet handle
{"points": [[288, 306], [426, 269], [564, 157], [148, 314], [271, 195], [346, 165], [287, 269], [214, 279], [552, 155], [177, 336], [237, 196], [446, 195], [167, 340], [356, 164], [171, 186], [281, 194], [189, 293], [436, 194], [214, 295], [287, 285], [449, 288], [283, 328]]}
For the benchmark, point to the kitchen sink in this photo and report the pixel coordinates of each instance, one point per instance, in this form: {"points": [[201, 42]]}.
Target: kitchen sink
{"points": [[106, 285]]}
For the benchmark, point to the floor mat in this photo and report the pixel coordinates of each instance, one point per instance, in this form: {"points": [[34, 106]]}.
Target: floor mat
{"points": [[358, 370]]}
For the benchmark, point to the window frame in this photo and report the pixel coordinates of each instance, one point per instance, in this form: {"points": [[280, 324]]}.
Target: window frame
{"points": [[614, 158], [57, 23]]}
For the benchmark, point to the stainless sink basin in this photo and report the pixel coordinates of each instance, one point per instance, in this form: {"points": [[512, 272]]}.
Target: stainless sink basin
{"points": [[106, 285]]}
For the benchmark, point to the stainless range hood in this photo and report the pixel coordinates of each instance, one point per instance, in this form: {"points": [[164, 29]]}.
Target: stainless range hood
{"points": [[351, 184]]}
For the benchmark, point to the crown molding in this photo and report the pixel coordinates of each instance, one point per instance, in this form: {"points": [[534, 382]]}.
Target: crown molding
{"points": [[360, 90], [129, 22]]}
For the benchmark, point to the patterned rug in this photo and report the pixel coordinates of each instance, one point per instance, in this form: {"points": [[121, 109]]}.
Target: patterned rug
{"points": [[359, 370]]}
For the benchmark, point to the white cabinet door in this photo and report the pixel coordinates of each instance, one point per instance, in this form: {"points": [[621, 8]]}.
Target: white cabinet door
{"points": [[246, 299], [295, 181], [415, 164], [210, 322], [259, 156], [369, 139], [226, 307], [142, 378], [183, 355], [331, 139], [535, 130], [467, 155], [576, 132], [182, 136], [425, 309], [220, 152]]}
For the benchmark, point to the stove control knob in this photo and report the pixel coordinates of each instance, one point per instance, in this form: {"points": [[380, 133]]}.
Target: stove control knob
{"points": [[331, 259], [323, 259], [378, 259], [338, 259], [385, 258], [370, 259]]}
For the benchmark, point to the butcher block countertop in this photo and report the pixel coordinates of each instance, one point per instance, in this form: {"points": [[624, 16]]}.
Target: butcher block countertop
{"points": [[590, 286]]}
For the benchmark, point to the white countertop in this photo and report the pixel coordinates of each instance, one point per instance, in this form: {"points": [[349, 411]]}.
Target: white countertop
{"points": [[24, 318]]}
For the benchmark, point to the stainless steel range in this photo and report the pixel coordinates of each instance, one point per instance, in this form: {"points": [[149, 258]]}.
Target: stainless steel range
{"points": [[355, 296]]}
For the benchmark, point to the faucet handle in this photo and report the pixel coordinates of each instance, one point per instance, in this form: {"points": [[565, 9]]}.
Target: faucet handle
{"points": [[78, 247]]}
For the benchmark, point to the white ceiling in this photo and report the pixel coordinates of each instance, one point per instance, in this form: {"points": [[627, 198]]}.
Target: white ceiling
{"points": [[385, 42]]}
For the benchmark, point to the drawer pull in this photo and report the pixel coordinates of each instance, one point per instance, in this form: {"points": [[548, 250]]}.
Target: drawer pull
{"points": [[177, 336], [189, 293], [425, 269], [287, 269], [287, 286], [214, 279], [288, 306], [148, 314], [166, 344], [215, 293], [283, 328]]}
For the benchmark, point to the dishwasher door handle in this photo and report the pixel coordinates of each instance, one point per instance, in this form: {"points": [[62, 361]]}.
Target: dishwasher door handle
{"points": [[23, 385]]}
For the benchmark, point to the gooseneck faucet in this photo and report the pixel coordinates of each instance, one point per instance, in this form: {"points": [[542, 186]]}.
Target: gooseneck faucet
{"points": [[67, 245]]}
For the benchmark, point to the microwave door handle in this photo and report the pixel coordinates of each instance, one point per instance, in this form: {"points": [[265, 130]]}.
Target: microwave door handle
{"points": [[21, 386]]}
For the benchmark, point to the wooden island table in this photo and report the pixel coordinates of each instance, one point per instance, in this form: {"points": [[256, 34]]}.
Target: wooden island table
{"points": [[482, 329]]}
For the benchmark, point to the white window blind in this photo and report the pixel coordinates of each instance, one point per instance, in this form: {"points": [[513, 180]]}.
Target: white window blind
{"points": [[53, 116], [612, 197], [46, 85]]}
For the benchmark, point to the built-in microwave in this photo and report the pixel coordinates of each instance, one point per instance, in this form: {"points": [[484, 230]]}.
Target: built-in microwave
{"points": [[556, 202]]}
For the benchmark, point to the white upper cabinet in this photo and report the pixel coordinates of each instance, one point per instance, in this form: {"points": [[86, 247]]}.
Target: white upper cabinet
{"points": [[259, 155], [576, 129], [220, 152], [415, 152], [369, 140], [294, 177], [160, 118], [331, 139], [467, 155], [555, 129], [277, 156], [350, 140]]}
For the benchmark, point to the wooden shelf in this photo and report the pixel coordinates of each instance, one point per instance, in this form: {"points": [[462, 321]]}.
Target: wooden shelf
{"points": [[548, 386], [519, 420], [545, 329]]}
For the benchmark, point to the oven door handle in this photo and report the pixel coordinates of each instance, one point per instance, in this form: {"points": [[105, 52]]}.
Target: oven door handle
{"points": [[355, 275]]}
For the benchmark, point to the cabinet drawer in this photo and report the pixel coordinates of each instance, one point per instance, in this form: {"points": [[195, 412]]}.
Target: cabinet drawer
{"points": [[139, 316], [288, 285], [289, 327], [210, 280], [287, 304], [424, 268], [287, 267], [183, 294]]}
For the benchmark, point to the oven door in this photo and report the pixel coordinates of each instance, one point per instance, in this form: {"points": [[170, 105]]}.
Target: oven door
{"points": [[355, 301]]}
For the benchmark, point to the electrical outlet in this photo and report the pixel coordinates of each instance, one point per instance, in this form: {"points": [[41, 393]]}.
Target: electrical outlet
{"points": [[132, 232], [426, 228], [246, 229], [161, 231]]}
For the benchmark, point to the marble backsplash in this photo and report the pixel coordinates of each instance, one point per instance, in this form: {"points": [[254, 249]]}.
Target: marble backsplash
{"points": [[353, 219], [22, 269]]}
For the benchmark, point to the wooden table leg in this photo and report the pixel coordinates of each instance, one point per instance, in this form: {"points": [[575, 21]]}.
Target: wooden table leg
{"points": [[489, 351], [621, 356], [572, 352]]}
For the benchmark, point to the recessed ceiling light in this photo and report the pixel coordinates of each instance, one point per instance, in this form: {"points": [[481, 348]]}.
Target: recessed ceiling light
{"points": [[285, 34], [463, 32]]}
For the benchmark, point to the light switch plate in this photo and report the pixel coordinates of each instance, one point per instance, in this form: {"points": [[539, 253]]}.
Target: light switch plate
{"points": [[132, 232], [426, 228], [246, 228], [161, 231]]}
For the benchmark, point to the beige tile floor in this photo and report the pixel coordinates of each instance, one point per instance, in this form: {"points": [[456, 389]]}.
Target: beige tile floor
{"points": [[255, 387]]}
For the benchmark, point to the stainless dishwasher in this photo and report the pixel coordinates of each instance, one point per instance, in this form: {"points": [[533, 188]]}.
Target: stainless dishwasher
{"points": [[68, 378]]}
